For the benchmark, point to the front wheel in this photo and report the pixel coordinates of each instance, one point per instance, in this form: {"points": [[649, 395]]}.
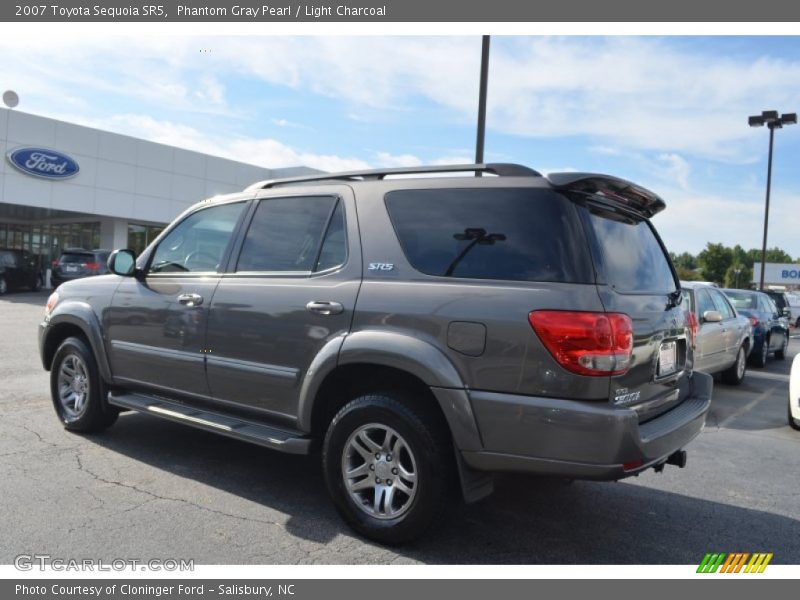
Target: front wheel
{"points": [[734, 374], [388, 467], [77, 390]]}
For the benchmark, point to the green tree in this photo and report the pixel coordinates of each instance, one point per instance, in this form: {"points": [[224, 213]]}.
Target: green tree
{"points": [[774, 255], [714, 261], [684, 260], [741, 279], [687, 274]]}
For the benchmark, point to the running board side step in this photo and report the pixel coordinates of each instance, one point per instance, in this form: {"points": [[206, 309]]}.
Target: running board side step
{"points": [[291, 442]]}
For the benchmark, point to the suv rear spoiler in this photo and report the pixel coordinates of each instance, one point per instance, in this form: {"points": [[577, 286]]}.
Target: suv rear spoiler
{"points": [[615, 191]]}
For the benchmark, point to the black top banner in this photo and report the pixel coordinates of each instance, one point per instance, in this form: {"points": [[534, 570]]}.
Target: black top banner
{"points": [[462, 11]]}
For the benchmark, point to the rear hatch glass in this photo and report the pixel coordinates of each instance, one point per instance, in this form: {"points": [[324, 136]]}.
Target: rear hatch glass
{"points": [[635, 277], [491, 234], [73, 263]]}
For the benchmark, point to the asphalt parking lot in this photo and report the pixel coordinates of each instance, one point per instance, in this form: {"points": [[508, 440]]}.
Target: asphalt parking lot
{"points": [[148, 488]]}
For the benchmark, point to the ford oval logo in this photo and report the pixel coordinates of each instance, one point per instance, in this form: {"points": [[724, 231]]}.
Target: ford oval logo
{"points": [[42, 162]]}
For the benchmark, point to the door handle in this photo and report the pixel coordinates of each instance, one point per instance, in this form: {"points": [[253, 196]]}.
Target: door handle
{"points": [[190, 299], [324, 308]]}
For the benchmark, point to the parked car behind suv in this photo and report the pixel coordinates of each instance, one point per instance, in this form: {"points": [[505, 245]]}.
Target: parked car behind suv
{"points": [[723, 338], [770, 328], [781, 300], [19, 269], [422, 332], [75, 263]]}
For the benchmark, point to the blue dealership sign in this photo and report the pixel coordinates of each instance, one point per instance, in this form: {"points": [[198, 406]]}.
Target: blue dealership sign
{"points": [[42, 162]]}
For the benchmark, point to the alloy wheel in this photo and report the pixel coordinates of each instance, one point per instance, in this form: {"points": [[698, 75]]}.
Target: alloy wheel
{"points": [[73, 386], [379, 471]]}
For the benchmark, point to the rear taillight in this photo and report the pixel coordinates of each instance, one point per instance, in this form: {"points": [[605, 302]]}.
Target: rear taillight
{"points": [[692, 318], [587, 343], [93, 266], [753, 321]]}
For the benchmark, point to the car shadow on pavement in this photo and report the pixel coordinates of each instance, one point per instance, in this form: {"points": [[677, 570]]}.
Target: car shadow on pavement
{"points": [[32, 298], [526, 521]]}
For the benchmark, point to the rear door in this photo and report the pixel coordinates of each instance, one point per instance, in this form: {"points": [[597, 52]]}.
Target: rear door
{"points": [[711, 342], [635, 277], [289, 290]]}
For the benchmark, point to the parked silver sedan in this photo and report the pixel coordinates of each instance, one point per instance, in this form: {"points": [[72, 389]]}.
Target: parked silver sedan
{"points": [[723, 338]]}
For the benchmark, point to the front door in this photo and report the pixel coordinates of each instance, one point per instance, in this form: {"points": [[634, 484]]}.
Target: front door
{"points": [[157, 322], [290, 290]]}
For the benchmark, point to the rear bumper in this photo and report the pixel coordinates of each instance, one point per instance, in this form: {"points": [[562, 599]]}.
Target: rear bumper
{"points": [[582, 440]]}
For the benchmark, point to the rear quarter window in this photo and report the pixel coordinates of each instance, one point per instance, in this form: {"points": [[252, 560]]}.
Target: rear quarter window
{"points": [[507, 233], [628, 253]]}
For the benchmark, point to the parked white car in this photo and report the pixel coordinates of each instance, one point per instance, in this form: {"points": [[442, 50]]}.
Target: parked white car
{"points": [[723, 338], [794, 394]]}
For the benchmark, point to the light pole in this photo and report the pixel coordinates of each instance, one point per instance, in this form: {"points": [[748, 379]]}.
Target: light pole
{"points": [[481, 137], [737, 272], [773, 121]]}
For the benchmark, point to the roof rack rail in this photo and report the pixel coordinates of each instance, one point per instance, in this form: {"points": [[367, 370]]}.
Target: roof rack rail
{"points": [[499, 169]]}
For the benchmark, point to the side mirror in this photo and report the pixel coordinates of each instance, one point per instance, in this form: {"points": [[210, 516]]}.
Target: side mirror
{"points": [[122, 262], [786, 312], [712, 316]]}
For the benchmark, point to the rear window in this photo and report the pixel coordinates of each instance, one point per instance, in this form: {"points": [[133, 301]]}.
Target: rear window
{"points": [[511, 234], [74, 257], [743, 300], [629, 254]]}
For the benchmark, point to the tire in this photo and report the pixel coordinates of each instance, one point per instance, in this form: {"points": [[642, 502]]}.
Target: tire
{"points": [[363, 435], [37, 284], [734, 375], [760, 359], [781, 354], [3, 286], [77, 390]]}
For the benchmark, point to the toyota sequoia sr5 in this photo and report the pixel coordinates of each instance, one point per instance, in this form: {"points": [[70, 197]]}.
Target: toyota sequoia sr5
{"points": [[417, 329]]}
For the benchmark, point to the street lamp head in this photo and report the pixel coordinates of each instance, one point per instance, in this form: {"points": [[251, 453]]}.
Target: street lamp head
{"points": [[770, 115], [789, 118], [755, 121]]}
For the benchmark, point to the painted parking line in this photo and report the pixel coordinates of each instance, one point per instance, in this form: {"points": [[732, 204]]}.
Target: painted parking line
{"points": [[767, 375], [748, 407]]}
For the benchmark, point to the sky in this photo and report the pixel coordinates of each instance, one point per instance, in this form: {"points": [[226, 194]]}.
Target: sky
{"points": [[669, 113]]}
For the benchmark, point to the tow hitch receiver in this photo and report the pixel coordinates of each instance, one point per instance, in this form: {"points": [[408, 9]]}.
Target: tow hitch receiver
{"points": [[677, 458]]}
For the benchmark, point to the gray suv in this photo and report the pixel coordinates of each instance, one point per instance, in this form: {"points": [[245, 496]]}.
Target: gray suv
{"points": [[420, 331]]}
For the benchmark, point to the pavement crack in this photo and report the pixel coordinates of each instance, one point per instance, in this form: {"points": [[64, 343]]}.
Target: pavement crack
{"points": [[153, 496]]}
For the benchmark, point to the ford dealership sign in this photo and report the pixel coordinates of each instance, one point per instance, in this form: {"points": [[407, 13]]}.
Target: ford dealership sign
{"points": [[42, 162]]}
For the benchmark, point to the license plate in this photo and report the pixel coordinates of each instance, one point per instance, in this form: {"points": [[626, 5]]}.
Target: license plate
{"points": [[70, 269], [666, 358]]}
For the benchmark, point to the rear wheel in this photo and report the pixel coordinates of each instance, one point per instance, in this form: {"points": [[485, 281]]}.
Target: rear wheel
{"points": [[734, 374], [77, 390], [760, 358], [388, 467], [3, 285], [781, 353], [37, 284]]}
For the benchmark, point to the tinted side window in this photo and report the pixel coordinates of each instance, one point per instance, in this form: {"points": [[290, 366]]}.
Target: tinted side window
{"points": [[285, 234], [704, 302], [722, 304], [631, 258], [198, 243], [334, 247], [512, 234]]}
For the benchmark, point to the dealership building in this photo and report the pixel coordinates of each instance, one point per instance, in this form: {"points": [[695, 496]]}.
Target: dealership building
{"points": [[67, 186]]}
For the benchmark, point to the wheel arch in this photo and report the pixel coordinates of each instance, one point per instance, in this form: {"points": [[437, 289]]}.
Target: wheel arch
{"points": [[79, 321]]}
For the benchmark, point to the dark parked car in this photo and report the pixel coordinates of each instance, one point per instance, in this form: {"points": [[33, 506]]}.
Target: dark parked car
{"points": [[75, 263], [770, 327], [456, 327], [19, 269], [781, 300]]}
